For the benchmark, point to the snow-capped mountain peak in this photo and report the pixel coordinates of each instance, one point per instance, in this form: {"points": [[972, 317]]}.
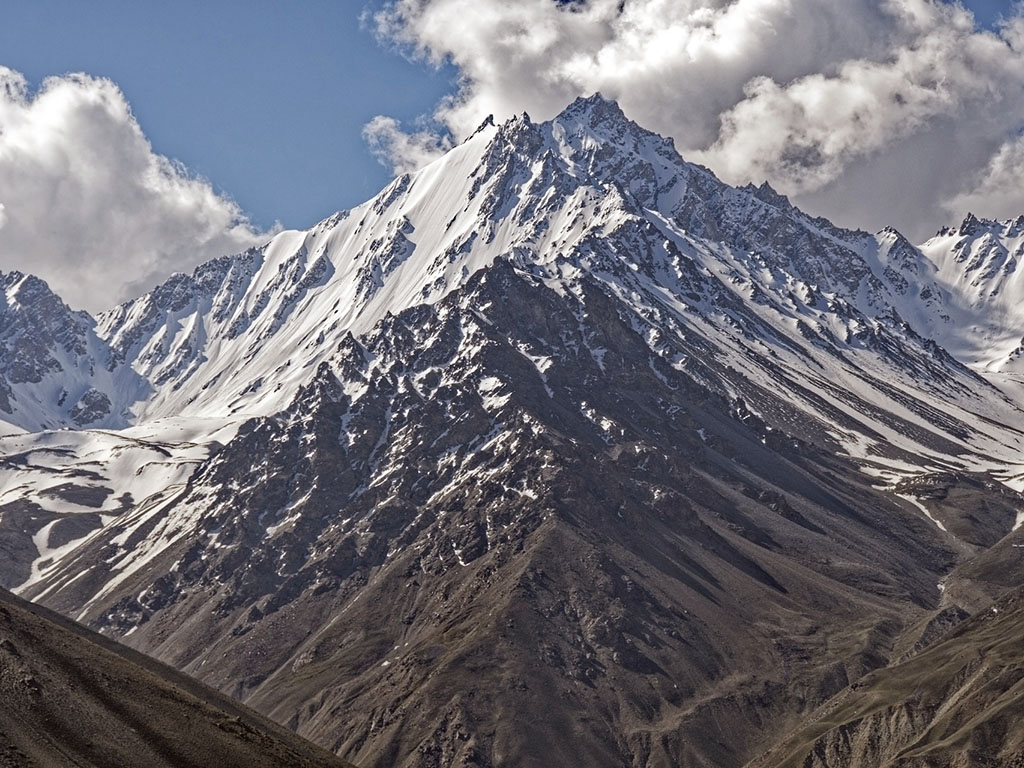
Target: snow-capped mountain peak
{"points": [[558, 395], [976, 269], [586, 198]]}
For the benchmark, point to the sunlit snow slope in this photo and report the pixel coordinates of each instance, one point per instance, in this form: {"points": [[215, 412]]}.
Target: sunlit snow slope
{"points": [[840, 321], [54, 370]]}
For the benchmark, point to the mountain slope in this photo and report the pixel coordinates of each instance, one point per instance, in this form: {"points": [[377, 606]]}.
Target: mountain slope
{"points": [[54, 370], [415, 533], [977, 267], [558, 450], [794, 303], [69, 697], [956, 704]]}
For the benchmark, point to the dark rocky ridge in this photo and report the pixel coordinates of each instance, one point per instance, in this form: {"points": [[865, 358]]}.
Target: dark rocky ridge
{"points": [[70, 697]]}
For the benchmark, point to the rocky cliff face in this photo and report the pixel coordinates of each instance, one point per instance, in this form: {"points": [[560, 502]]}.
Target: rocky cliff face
{"points": [[54, 370]]}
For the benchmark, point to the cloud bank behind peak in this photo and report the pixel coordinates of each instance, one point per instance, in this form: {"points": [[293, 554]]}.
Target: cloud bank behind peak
{"points": [[860, 109]]}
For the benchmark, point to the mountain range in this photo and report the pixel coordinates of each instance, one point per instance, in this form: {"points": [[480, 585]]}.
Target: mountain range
{"points": [[558, 451]]}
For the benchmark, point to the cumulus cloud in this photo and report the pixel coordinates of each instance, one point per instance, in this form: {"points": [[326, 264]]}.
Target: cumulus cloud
{"points": [[804, 133], [88, 205], [804, 93]]}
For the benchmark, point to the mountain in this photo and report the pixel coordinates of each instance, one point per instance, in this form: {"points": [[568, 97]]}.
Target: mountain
{"points": [[961, 288], [557, 451], [54, 370], [71, 697], [461, 537]]}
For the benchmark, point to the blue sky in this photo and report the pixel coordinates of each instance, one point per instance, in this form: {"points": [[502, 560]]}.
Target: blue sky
{"points": [[265, 99], [989, 11]]}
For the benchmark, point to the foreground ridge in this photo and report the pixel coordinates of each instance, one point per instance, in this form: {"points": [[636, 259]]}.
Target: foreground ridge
{"points": [[69, 697], [957, 703]]}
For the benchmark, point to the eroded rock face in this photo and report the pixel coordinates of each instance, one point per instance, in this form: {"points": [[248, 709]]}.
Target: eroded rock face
{"points": [[54, 369], [31, 349], [952, 705]]}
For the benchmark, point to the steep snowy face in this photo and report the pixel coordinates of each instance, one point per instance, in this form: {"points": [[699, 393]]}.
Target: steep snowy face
{"points": [[781, 301], [978, 269], [962, 289], [54, 370], [241, 334], [763, 231]]}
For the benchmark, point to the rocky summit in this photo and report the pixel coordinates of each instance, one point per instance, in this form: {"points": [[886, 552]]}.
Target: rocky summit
{"points": [[559, 451]]}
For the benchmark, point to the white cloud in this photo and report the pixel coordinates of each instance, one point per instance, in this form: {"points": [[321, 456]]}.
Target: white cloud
{"points": [[85, 202], [805, 133], [996, 191], [805, 93], [400, 150]]}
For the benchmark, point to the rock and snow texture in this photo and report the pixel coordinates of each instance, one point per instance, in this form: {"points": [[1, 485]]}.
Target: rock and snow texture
{"points": [[864, 344], [54, 370], [978, 265], [58, 489], [553, 330], [840, 321], [435, 512]]}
